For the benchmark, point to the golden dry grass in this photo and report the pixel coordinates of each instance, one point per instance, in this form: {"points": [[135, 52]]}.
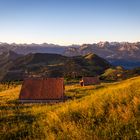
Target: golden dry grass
{"points": [[107, 111]]}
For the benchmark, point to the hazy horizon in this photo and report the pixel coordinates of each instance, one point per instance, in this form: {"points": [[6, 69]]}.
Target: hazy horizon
{"points": [[67, 44], [69, 22]]}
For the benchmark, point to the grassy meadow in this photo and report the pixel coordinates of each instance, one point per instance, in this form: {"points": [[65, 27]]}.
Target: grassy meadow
{"points": [[109, 111]]}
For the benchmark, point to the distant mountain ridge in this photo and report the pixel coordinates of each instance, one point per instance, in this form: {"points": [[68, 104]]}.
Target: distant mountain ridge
{"points": [[117, 53], [108, 50], [32, 48], [124, 54]]}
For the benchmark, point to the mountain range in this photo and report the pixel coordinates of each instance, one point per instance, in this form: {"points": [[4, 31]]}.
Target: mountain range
{"points": [[124, 54], [117, 53]]}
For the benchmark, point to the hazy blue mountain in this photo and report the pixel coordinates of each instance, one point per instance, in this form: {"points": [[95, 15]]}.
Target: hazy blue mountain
{"points": [[124, 54]]}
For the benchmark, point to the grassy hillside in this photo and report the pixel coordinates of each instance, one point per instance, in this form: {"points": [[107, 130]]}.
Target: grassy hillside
{"points": [[54, 65], [119, 73], [106, 111]]}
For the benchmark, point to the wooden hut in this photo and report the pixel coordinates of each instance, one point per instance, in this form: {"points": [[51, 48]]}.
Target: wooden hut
{"points": [[42, 90], [89, 81]]}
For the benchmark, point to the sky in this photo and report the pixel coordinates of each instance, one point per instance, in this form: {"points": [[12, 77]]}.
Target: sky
{"points": [[67, 22]]}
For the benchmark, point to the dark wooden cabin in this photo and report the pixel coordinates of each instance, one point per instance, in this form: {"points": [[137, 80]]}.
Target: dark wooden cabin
{"points": [[89, 81]]}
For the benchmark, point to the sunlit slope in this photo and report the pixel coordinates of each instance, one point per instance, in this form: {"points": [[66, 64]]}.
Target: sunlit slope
{"points": [[108, 111]]}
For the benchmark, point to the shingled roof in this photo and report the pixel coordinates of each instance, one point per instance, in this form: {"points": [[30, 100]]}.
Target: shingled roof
{"points": [[42, 90]]}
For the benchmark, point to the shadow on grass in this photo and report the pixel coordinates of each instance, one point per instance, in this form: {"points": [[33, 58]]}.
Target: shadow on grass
{"points": [[85, 88], [18, 117], [20, 125], [79, 93], [15, 107]]}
